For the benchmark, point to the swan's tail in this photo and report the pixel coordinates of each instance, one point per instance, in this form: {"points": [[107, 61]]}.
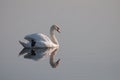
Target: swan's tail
{"points": [[23, 44]]}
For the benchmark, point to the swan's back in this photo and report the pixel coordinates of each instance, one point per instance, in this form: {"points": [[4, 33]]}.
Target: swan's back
{"points": [[40, 39], [37, 37]]}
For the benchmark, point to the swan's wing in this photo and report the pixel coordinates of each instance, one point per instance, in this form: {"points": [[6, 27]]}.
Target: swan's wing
{"points": [[37, 37]]}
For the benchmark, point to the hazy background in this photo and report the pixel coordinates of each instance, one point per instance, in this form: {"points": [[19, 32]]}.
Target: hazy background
{"points": [[89, 39]]}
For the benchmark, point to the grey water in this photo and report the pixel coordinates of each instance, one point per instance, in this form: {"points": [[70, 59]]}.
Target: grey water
{"points": [[89, 39]]}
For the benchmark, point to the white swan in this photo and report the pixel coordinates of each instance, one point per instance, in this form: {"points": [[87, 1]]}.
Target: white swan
{"points": [[38, 40]]}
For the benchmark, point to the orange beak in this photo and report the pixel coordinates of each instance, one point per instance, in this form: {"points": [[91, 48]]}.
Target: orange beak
{"points": [[58, 30]]}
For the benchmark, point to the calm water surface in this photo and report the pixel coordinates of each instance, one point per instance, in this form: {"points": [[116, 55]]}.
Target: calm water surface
{"points": [[89, 40]]}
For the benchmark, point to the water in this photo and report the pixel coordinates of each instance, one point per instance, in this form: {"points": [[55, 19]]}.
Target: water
{"points": [[89, 39]]}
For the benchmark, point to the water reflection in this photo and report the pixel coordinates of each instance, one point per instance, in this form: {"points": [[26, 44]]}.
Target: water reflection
{"points": [[37, 54]]}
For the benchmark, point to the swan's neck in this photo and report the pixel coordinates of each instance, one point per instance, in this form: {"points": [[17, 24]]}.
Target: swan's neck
{"points": [[52, 36]]}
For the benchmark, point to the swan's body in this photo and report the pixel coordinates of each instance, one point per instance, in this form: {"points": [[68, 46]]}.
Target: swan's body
{"points": [[39, 40]]}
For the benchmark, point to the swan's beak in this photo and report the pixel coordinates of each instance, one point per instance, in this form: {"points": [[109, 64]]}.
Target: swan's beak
{"points": [[58, 30]]}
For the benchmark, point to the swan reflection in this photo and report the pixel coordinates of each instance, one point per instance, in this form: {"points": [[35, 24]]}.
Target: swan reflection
{"points": [[37, 54]]}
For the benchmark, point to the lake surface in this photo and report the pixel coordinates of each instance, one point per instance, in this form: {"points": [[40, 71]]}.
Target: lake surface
{"points": [[89, 39]]}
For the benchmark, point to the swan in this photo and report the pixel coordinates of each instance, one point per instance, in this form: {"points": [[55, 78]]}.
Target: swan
{"points": [[39, 40]]}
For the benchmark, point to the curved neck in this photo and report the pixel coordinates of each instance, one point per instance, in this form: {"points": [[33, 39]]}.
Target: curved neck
{"points": [[52, 36]]}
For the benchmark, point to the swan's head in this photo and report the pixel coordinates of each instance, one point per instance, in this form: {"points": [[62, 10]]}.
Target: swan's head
{"points": [[55, 27]]}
